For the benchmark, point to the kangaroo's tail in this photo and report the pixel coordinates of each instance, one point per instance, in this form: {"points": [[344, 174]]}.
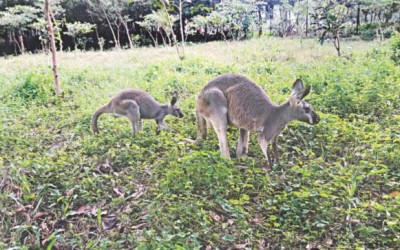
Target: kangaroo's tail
{"points": [[97, 113]]}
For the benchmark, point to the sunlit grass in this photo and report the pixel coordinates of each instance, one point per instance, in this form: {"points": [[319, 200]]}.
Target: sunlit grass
{"points": [[336, 186]]}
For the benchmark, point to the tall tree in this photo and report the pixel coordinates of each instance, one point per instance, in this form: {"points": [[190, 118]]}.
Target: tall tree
{"points": [[331, 18], [151, 25], [47, 12], [104, 8], [119, 8], [17, 20], [58, 20], [179, 6], [169, 18], [78, 30]]}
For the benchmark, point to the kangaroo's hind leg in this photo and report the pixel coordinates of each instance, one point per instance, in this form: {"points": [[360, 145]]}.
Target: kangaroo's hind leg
{"points": [[276, 151], [201, 128], [264, 142], [214, 108], [140, 124], [132, 113], [243, 143]]}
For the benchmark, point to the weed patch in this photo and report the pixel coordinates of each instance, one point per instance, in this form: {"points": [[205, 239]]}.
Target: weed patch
{"points": [[337, 184]]}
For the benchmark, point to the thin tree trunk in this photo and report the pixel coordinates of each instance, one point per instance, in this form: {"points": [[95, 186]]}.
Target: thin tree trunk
{"points": [[59, 38], [365, 12], [181, 26], [21, 41], [307, 20], [162, 37], [168, 38], [47, 12], [111, 28], [260, 21], [379, 32], [118, 25], [358, 18], [336, 42], [172, 31], [125, 24], [205, 33], [96, 32], [14, 39], [152, 38]]}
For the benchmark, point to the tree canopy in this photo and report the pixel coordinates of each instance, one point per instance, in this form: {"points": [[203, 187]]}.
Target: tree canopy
{"points": [[130, 23]]}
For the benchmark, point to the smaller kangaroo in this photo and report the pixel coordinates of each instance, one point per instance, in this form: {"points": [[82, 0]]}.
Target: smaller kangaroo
{"points": [[235, 99], [136, 104]]}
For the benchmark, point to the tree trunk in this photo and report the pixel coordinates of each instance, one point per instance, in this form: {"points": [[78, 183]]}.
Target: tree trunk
{"points": [[125, 24], [379, 32], [168, 38], [205, 33], [58, 34], [152, 38], [61, 43], [260, 22], [358, 18], [307, 19], [96, 32], [336, 42], [118, 25], [47, 12], [172, 31], [111, 29], [365, 12], [21, 42], [162, 37], [16, 43], [181, 26]]}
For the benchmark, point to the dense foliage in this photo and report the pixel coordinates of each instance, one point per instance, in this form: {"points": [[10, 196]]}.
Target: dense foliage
{"points": [[337, 185], [102, 24]]}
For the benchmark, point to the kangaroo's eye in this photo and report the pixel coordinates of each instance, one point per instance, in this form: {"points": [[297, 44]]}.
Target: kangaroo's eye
{"points": [[307, 109]]}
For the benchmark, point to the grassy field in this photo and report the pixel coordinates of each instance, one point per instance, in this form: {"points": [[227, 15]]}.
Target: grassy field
{"points": [[337, 184]]}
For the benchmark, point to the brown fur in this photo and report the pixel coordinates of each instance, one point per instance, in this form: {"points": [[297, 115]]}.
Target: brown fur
{"points": [[233, 99], [136, 104]]}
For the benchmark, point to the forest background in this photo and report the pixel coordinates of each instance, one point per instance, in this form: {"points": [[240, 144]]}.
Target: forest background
{"points": [[105, 24]]}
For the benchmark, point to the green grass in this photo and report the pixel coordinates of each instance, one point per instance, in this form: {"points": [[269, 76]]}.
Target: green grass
{"points": [[337, 185]]}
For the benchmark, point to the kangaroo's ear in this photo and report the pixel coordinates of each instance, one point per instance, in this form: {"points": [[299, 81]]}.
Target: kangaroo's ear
{"points": [[297, 86], [303, 93], [296, 97], [174, 98], [299, 91]]}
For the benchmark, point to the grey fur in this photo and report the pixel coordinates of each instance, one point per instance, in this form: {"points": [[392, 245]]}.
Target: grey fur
{"points": [[136, 104], [236, 100]]}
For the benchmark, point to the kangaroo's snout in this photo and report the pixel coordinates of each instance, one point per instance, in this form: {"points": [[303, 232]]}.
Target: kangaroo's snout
{"points": [[316, 119], [177, 113]]}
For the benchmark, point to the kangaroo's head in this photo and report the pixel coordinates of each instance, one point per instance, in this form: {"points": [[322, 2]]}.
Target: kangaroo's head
{"points": [[173, 108], [302, 110]]}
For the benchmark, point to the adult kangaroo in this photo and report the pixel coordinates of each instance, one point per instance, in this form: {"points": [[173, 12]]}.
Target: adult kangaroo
{"points": [[235, 99], [136, 104]]}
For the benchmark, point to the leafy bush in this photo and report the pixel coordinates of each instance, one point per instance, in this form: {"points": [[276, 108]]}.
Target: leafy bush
{"points": [[36, 86], [388, 32], [368, 31], [395, 46]]}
